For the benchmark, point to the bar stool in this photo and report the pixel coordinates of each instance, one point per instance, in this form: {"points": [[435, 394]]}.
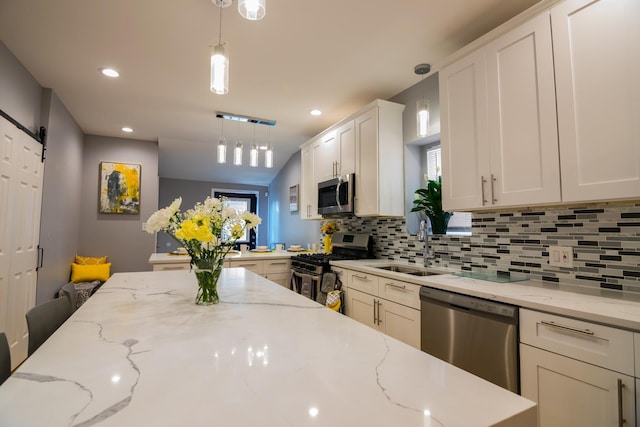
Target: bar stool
{"points": [[5, 358], [44, 319]]}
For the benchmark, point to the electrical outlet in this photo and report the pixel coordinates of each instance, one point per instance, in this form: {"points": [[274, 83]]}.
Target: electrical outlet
{"points": [[144, 226], [561, 256]]}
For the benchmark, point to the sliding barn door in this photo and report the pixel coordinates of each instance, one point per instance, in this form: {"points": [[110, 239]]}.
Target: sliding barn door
{"points": [[21, 176]]}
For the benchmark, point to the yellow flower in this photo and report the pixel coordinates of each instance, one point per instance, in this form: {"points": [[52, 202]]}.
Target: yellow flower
{"points": [[328, 227], [194, 229]]}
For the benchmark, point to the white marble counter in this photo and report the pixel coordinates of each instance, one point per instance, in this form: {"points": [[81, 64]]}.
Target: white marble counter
{"points": [[141, 353], [169, 258], [604, 306]]}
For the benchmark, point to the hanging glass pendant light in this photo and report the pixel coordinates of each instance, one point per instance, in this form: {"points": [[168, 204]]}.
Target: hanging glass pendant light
{"points": [[237, 150], [422, 105], [268, 155], [252, 10], [220, 59], [222, 145], [253, 152]]}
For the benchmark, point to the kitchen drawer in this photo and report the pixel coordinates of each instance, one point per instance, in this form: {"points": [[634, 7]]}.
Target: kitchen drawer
{"points": [[277, 266], [599, 345], [255, 266], [401, 292], [342, 275], [363, 282], [281, 279], [173, 266]]}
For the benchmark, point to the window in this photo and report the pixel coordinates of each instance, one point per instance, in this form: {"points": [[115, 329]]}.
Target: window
{"points": [[460, 222], [241, 202]]}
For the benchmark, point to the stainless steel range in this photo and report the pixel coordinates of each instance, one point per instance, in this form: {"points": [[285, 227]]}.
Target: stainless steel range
{"points": [[307, 270]]}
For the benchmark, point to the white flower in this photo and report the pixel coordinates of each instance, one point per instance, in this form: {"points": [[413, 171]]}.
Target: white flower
{"points": [[229, 212], [251, 219]]}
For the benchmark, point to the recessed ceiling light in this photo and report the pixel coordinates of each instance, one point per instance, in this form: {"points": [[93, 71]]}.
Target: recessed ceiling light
{"points": [[127, 129], [315, 112], [109, 72]]}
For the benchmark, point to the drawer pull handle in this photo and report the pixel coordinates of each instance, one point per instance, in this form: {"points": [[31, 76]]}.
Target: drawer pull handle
{"points": [[621, 420], [567, 328], [393, 285], [357, 276], [278, 263]]}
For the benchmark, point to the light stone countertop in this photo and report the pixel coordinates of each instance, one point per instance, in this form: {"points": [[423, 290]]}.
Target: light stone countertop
{"points": [[141, 353], [168, 258], [609, 307]]}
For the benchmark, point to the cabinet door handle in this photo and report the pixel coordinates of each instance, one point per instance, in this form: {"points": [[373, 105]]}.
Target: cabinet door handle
{"points": [[621, 420], [375, 319], [482, 182], [393, 285], [553, 324], [379, 319], [493, 197]]}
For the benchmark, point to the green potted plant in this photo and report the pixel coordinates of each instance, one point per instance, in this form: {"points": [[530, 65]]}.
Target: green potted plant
{"points": [[429, 201]]}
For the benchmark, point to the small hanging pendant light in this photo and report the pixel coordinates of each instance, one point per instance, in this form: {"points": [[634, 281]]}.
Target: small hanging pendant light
{"points": [[237, 150], [252, 10], [220, 59], [422, 105], [222, 145], [268, 155]]}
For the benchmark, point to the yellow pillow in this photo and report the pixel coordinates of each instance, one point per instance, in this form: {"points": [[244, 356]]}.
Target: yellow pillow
{"points": [[87, 260], [89, 273]]}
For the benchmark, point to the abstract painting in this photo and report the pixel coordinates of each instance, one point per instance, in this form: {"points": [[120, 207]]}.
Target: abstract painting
{"points": [[119, 188]]}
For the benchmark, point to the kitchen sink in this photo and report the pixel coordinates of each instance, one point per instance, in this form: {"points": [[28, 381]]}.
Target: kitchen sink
{"points": [[405, 270]]}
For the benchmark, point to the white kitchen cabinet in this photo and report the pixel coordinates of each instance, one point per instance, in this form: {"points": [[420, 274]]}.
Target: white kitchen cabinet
{"points": [[309, 184], [388, 305], [498, 123], [277, 270], [597, 64], [369, 144], [379, 160], [335, 154], [579, 373]]}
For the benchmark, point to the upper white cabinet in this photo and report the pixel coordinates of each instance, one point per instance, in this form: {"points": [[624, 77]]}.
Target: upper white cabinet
{"points": [[369, 144], [379, 161], [597, 62], [498, 123], [308, 185], [336, 154]]}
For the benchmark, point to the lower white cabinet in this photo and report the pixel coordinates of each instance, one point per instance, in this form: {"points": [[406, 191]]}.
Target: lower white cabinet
{"points": [[277, 270], [390, 306], [579, 373]]}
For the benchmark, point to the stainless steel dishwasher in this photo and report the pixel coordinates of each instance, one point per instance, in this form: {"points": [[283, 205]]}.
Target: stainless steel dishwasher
{"points": [[474, 334]]}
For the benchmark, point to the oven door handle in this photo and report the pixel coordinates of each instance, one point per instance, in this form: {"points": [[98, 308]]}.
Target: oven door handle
{"points": [[338, 188]]}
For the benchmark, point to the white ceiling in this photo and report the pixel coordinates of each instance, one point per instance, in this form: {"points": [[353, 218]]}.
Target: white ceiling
{"points": [[335, 55]]}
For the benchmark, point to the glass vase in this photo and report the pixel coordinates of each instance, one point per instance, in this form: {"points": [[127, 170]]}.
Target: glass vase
{"points": [[328, 244], [207, 275]]}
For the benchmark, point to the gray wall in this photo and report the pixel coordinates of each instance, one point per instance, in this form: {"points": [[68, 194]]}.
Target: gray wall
{"points": [[59, 231], [196, 191], [23, 99], [119, 236], [286, 226], [20, 93]]}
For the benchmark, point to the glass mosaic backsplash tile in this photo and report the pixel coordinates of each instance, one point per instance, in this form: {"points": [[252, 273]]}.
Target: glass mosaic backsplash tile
{"points": [[605, 241]]}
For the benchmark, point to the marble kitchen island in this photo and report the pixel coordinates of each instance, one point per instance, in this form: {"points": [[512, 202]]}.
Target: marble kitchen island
{"points": [[140, 352]]}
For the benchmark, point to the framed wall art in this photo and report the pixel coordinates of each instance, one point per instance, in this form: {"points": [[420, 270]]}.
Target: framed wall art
{"points": [[119, 191], [293, 198]]}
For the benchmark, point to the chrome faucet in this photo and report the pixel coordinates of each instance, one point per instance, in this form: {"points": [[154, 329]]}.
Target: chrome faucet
{"points": [[423, 236]]}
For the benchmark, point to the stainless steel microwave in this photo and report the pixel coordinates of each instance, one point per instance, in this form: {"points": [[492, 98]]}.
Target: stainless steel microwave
{"points": [[336, 196]]}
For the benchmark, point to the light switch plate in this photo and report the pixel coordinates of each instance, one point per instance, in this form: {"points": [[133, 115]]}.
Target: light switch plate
{"points": [[561, 256]]}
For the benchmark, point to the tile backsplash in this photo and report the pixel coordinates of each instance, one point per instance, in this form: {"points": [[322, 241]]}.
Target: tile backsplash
{"points": [[605, 241]]}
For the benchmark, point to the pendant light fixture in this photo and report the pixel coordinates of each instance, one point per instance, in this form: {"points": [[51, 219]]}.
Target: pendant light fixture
{"points": [[253, 153], [268, 155], [422, 105], [222, 145], [220, 58], [237, 150], [252, 10]]}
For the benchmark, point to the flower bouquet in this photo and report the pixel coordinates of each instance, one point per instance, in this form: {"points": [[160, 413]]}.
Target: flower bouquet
{"points": [[328, 228], [208, 231]]}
